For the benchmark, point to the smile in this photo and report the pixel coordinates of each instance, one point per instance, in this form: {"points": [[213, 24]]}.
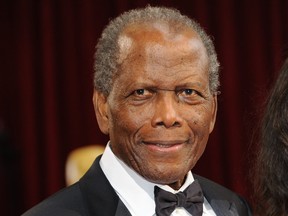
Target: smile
{"points": [[165, 145]]}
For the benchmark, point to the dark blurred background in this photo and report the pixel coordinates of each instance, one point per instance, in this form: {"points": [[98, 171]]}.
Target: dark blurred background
{"points": [[46, 69]]}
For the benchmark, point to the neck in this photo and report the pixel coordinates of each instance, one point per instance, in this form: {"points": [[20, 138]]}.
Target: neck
{"points": [[177, 185]]}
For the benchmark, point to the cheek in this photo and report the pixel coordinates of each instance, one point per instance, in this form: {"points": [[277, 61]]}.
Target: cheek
{"points": [[125, 133], [128, 120], [201, 119], [199, 124]]}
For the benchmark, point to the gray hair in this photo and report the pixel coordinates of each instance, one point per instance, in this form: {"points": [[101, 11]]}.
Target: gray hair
{"points": [[107, 48]]}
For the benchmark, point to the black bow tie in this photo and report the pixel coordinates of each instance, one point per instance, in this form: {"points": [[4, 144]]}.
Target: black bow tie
{"points": [[191, 199]]}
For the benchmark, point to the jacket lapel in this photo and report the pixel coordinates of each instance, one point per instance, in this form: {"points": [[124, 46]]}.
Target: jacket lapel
{"points": [[98, 195], [218, 197], [223, 208], [122, 210]]}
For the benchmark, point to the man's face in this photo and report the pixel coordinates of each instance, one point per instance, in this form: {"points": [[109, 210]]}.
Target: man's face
{"points": [[160, 112]]}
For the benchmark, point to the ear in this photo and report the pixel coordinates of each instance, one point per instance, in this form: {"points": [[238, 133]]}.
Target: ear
{"points": [[214, 113], [101, 111]]}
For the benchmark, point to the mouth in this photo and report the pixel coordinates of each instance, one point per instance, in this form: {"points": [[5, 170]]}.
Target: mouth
{"points": [[166, 146]]}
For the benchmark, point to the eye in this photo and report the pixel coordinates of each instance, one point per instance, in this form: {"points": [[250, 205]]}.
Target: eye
{"points": [[190, 96], [188, 91], [141, 94]]}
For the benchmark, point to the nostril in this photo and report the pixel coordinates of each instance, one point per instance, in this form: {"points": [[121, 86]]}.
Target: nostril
{"points": [[176, 124], [160, 123]]}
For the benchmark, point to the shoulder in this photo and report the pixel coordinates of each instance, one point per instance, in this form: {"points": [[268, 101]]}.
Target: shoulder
{"points": [[67, 201], [216, 192], [91, 195]]}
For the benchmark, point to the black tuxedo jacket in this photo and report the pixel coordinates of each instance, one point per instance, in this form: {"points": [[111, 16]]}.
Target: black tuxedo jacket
{"points": [[94, 196]]}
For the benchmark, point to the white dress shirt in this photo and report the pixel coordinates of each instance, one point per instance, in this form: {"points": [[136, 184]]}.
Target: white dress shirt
{"points": [[136, 192]]}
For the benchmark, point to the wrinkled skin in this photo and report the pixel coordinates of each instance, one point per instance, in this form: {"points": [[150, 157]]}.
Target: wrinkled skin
{"points": [[160, 111]]}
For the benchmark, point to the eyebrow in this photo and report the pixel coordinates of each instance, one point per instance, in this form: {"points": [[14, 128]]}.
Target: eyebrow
{"points": [[153, 86]]}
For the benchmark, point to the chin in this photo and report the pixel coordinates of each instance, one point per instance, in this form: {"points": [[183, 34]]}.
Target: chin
{"points": [[166, 178]]}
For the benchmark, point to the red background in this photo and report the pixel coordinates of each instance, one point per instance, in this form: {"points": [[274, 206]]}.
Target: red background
{"points": [[46, 86]]}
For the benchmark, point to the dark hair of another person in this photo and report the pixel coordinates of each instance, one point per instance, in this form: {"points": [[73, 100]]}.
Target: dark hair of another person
{"points": [[271, 179]]}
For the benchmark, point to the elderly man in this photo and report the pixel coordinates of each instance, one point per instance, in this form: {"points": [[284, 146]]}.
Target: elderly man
{"points": [[156, 80]]}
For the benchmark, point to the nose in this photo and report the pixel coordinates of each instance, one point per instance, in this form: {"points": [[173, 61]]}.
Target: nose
{"points": [[166, 111]]}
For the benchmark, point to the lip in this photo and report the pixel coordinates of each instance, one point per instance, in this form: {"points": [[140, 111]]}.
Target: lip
{"points": [[165, 146]]}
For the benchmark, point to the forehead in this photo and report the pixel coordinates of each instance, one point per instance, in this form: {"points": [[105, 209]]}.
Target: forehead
{"points": [[159, 36], [159, 52], [157, 31]]}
